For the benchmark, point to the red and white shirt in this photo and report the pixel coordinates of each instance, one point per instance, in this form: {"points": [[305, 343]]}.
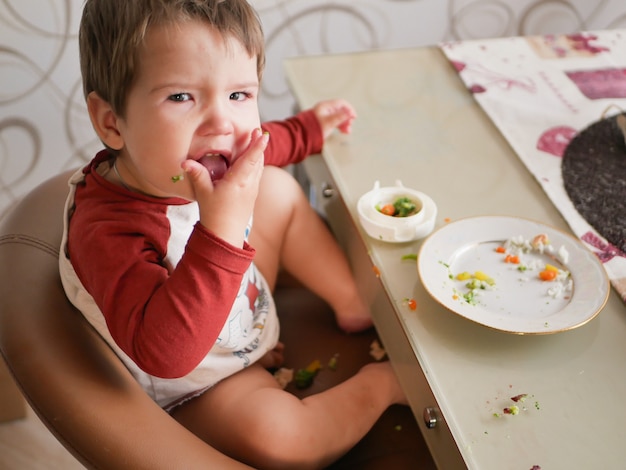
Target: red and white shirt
{"points": [[182, 308]]}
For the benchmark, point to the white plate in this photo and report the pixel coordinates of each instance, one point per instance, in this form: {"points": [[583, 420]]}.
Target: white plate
{"points": [[519, 301]]}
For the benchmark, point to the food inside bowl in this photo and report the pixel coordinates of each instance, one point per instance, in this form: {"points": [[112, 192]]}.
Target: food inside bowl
{"points": [[401, 207], [409, 214]]}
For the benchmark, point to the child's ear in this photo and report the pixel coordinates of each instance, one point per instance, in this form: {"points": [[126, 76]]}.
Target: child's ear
{"points": [[104, 121]]}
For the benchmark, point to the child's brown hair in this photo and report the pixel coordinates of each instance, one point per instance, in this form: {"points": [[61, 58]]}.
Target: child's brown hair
{"points": [[111, 32]]}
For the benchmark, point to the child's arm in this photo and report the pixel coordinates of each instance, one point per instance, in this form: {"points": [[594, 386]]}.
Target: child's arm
{"points": [[166, 322], [164, 319], [295, 138]]}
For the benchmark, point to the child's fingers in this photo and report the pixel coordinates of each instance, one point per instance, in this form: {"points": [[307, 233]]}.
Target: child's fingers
{"points": [[198, 176], [237, 191], [250, 163], [335, 114], [346, 125], [341, 120]]}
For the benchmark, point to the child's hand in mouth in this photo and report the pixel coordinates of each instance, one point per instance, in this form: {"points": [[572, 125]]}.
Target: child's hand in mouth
{"points": [[216, 164], [237, 189]]}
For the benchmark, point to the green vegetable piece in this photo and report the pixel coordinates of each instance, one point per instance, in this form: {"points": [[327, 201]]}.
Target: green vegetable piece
{"points": [[303, 378], [511, 410], [177, 178], [404, 207], [470, 298]]}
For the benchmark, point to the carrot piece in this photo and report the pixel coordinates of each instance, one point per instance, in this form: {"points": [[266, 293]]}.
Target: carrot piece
{"points": [[388, 209], [500, 249], [548, 275], [513, 259]]}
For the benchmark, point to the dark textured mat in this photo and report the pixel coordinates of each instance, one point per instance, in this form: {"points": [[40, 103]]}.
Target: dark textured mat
{"points": [[594, 176]]}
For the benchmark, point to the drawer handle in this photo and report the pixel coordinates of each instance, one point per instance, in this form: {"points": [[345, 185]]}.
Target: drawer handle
{"points": [[430, 417], [327, 190]]}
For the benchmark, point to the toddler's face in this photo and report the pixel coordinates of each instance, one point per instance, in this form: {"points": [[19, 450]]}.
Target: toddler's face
{"points": [[194, 95]]}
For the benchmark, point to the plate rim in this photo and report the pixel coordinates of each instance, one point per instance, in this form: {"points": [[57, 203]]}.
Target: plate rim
{"points": [[605, 287]]}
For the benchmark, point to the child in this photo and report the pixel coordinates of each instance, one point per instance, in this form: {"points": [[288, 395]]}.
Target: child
{"points": [[160, 252]]}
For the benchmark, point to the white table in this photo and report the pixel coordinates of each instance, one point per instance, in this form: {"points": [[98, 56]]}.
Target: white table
{"points": [[417, 123]]}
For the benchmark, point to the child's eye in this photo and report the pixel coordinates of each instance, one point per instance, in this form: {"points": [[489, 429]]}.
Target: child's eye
{"points": [[180, 97], [239, 96]]}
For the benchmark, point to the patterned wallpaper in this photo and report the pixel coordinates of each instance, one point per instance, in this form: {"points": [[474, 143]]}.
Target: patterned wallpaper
{"points": [[44, 127]]}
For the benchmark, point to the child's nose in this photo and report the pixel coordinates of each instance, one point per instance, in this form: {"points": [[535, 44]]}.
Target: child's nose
{"points": [[215, 120]]}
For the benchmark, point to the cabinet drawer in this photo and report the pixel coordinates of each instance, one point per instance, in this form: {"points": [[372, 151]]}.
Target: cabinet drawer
{"points": [[328, 201]]}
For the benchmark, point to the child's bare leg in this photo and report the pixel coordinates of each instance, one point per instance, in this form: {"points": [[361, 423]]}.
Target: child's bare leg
{"points": [[248, 417], [288, 232]]}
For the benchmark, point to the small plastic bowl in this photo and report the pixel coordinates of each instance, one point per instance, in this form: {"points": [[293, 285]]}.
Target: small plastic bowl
{"points": [[396, 229]]}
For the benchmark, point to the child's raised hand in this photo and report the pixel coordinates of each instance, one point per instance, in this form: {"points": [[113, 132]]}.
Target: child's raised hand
{"points": [[226, 205], [334, 114]]}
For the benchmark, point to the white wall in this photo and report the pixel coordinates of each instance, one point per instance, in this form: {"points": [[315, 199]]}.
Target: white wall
{"points": [[44, 127]]}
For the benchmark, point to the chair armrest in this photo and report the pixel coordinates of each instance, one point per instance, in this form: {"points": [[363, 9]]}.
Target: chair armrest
{"points": [[74, 382]]}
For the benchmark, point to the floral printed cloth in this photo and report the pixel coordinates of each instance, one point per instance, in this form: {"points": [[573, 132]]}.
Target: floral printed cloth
{"points": [[540, 91]]}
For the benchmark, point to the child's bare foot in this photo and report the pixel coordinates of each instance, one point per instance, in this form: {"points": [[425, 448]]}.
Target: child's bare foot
{"points": [[273, 358]]}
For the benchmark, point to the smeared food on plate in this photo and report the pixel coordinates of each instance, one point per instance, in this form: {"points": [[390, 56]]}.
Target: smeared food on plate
{"points": [[526, 256]]}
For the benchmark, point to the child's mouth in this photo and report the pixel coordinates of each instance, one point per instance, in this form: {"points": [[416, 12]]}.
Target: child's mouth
{"points": [[216, 164]]}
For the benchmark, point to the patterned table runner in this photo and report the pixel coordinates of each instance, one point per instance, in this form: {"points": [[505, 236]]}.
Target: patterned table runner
{"points": [[541, 91]]}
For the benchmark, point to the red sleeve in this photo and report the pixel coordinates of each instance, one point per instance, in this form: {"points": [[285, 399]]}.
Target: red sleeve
{"points": [[166, 320], [293, 139]]}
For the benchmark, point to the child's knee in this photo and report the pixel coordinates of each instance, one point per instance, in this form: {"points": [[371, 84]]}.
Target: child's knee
{"points": [[290, 442], [280, 183], [280, 198], [285, 450]]}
